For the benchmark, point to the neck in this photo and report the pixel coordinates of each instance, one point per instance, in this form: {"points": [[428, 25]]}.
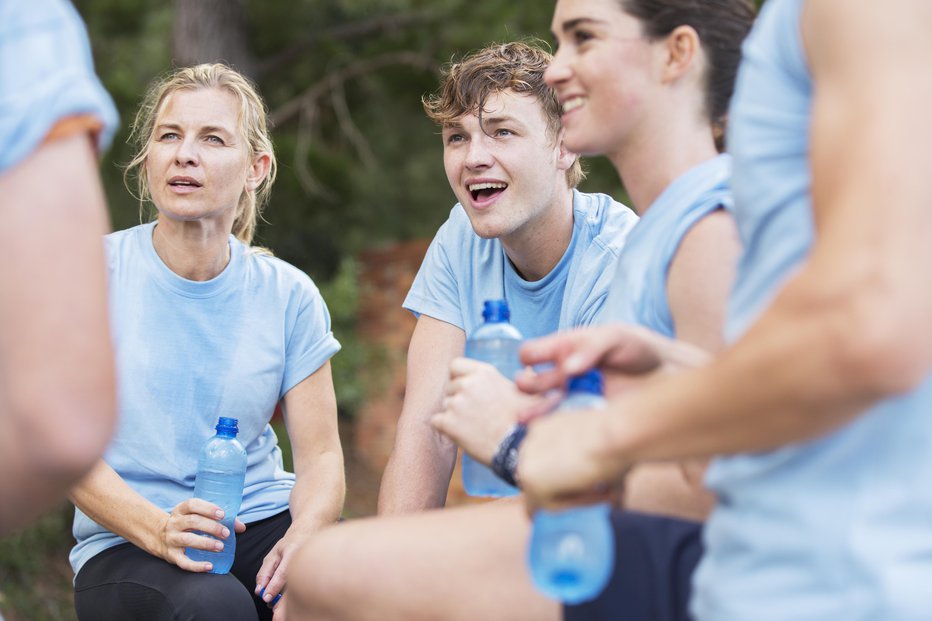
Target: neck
{"points": [[190, 249], [537, 248], [650, 162]]}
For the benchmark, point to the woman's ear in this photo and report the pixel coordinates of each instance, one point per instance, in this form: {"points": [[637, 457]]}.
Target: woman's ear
{"points": [[682, 51], [259, 168]]}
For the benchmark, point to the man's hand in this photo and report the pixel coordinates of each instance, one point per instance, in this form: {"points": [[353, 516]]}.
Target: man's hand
{"points": [[480, 407]]}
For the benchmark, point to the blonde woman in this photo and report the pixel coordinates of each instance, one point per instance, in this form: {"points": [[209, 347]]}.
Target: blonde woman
{"points": [[205, 325]]}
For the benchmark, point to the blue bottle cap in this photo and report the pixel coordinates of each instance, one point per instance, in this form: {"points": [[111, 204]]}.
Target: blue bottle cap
{"points": [[228, 425], [589, 382], [495, 311]]}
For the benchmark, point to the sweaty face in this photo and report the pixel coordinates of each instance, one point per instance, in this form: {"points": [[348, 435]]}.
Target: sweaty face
{"points": [[507, 172], [197, 166], [603, 73]]}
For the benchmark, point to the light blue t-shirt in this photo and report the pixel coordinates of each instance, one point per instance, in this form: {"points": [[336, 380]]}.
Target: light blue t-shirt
{"points": [[462, 270], [189, 352], [639, 293], [839, 527], [46, 74]]}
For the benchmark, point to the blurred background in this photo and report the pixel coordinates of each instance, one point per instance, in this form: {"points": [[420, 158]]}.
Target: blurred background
{"points": [[360, 192]]}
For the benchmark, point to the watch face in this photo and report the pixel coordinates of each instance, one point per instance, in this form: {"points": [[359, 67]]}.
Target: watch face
{"points": [[511, 460]]}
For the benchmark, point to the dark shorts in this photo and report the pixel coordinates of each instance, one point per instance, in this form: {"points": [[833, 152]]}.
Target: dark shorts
{"points": [[125, 583], [654, 562]]}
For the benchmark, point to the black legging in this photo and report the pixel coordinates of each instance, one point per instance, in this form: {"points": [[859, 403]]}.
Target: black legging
{"points": [[654, 561], [124, 582]]}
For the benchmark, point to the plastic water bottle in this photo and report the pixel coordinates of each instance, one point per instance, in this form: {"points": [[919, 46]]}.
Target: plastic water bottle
{"points": [[221, 473], [572, 552], [496, 342]]}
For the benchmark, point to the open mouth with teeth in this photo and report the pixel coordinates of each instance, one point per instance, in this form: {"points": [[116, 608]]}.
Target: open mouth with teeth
{"points": [[482, 192], [183, 183], [572, 104]]}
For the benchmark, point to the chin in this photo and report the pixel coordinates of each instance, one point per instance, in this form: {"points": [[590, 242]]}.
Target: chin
{"points": [[488, 231], [583, 143]]}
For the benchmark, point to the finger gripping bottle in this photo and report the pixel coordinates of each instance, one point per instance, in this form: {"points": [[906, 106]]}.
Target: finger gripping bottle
{"points": [[572, 552], [221, 473], [496, 342]]}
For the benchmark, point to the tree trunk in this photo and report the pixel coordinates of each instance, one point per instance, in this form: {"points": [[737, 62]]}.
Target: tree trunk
{"points": [[212, 31]]}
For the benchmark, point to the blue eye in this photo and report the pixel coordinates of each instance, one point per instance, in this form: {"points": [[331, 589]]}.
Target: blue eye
{"points": [[215, 139], [168, 136]]}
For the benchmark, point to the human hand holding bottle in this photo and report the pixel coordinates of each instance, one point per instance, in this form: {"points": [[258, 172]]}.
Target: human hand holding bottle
{"points": [[480, 406], [183, 528]]}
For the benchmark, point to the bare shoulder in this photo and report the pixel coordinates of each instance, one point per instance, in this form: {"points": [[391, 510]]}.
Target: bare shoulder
{"points": [[700, 278], [711, 244]]}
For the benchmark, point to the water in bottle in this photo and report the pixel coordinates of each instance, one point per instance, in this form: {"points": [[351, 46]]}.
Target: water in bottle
{"points": [[572, 552], [496, 342], [221, 473]]}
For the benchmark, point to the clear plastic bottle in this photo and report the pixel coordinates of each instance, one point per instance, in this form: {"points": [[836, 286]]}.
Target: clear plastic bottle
{"points": [[572, 552], [221, 473], [496, 342]]}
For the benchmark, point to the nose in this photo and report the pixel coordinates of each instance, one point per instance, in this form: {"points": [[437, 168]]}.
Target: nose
{"points": [[558, 70], [186, 154], [479, 155]]}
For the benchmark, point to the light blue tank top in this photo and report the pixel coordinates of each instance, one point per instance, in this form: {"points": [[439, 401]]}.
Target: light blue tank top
{"points": [[839, 527], [639, 290]]}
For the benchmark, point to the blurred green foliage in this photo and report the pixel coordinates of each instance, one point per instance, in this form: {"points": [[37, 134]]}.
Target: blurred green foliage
{"points": [[35, 577]]}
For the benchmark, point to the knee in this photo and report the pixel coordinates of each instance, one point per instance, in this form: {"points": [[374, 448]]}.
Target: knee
{"points": [[322, 578], [216, 597]]}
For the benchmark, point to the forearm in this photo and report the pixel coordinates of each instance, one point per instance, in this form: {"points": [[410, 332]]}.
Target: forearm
{"points": [[319, 492], [418, 472], [106, 498], [790, 378]]}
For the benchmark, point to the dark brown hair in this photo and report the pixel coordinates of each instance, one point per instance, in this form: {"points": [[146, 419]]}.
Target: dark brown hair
{"points": [[721, 25]]}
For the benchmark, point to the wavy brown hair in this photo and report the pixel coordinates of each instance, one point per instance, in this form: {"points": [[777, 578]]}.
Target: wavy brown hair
{"points": [[518, 66]]}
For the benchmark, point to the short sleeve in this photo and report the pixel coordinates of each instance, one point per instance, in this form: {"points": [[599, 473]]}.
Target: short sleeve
{"points": [[46, 74], [435, 291], [311, 342]]}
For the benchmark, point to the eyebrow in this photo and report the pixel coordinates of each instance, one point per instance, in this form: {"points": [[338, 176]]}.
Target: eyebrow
{"points": [[209, 129], [579, 21], [501, 120]]}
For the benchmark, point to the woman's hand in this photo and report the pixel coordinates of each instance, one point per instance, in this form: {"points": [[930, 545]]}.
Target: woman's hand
{"points": [[270, 581], [480, 407], [177, 532]]}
